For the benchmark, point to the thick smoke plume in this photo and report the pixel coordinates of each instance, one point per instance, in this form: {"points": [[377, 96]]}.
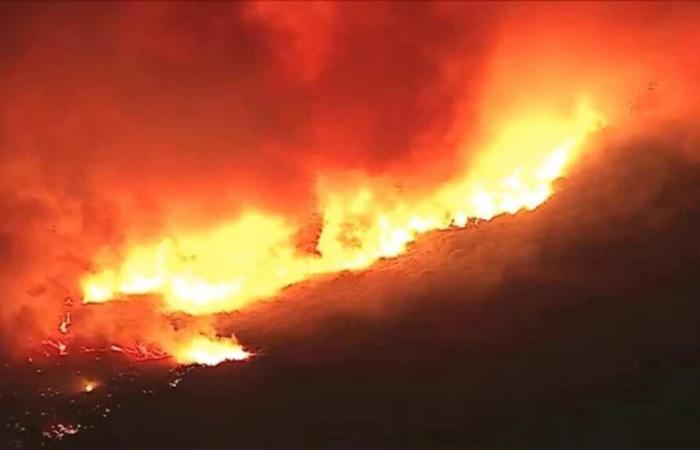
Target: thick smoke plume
{"points": [[125, 122]]}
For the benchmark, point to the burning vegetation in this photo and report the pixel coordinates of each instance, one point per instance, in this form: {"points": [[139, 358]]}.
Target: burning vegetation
{"points": [[167, 165], [254, 256]]}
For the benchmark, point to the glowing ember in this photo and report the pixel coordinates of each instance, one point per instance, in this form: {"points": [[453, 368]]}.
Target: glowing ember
{"points": [[89, 386], [210, 352]]}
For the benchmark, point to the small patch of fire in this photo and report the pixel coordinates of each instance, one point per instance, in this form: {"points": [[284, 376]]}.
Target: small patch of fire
{"points": [[57, 344], [59, 430], [89, 386]]}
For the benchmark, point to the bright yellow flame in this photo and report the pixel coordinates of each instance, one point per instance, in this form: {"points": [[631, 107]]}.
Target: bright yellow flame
{"points": [[210, 352], [254, 256], [89, 386]]}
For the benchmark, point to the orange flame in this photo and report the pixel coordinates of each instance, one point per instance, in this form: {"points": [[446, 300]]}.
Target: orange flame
{"points": [[254, 256], [210, 352]]}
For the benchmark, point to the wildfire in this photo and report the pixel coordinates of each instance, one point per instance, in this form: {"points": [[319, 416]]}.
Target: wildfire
{"points": [[255, 255], [228, 267], [210, 352]]}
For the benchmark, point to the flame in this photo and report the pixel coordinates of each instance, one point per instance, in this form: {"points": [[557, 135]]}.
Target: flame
{"points": [[210, 352], [65, 323], [254, 257], [199, 349], [139, 352], [57, 344]]}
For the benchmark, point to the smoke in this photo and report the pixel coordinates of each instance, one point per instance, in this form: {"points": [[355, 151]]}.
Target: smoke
{"points": [[123, 122]]}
